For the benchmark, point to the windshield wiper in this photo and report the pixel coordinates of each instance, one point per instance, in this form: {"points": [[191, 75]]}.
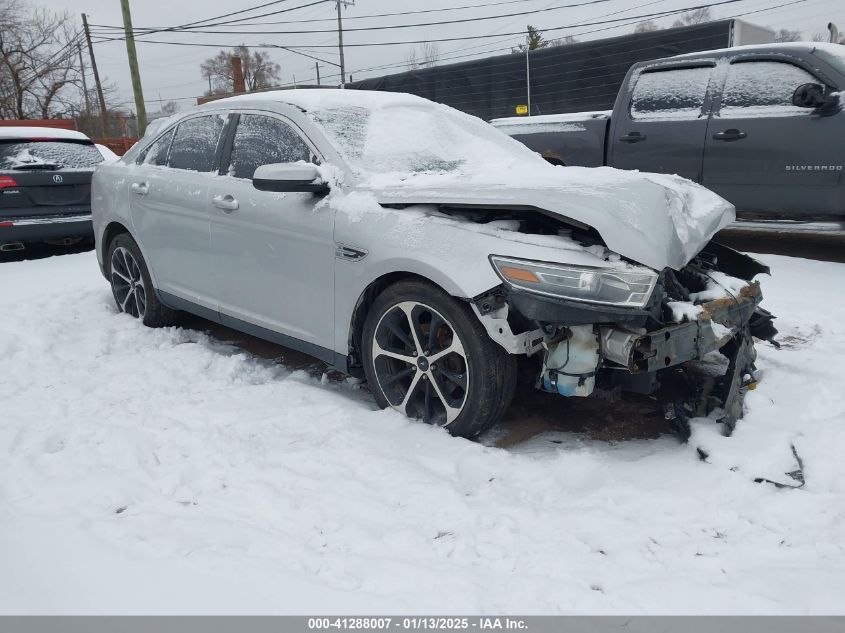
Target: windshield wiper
{"points": [[36, 166]]}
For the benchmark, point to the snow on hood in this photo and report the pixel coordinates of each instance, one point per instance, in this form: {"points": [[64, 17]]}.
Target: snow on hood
{"points": [[405, 149], [656, 220]]}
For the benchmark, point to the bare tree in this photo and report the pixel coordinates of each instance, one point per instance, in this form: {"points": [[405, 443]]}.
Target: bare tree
{"points": [[259, 70], [39, 64], [428, 56], [825, 37], [411, 62], [696, 16], [566, 40], [646, 27], [171, 107], [785, 35]]}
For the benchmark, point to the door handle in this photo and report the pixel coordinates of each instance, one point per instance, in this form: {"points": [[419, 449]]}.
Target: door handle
{"points": [[729, 135], [227, 203], [633, 137], [141, 188]]}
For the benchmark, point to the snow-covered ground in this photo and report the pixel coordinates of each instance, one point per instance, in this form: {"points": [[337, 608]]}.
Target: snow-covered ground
{"points": [[160, 471]]}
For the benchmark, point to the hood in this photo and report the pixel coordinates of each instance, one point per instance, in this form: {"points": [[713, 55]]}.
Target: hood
{"points": [[656, 220]]}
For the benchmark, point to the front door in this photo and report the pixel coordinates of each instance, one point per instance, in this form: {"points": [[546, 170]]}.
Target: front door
{"points": [[767, 156], [663, 128], [273, 254], [168, 194]]}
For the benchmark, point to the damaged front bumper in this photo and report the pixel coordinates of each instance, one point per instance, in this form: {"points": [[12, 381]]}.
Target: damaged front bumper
{"points": [[599, 349], [727, 325], [718, 322]]}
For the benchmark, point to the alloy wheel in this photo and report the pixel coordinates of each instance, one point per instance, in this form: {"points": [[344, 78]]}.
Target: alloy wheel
{"points": [[128, 283], [420, 363]]}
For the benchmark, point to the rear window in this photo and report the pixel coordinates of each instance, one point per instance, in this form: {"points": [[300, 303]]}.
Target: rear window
{"points": [[34, 155]]}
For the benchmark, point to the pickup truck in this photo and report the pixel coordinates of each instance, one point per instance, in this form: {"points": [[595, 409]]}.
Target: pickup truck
{"points": [[761, 125]]}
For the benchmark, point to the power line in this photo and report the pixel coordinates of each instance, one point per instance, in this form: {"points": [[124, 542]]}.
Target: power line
{"points": [[189, 26], [631, 20], [369, 16], [58, 56], [404, 26], [463, 38]]}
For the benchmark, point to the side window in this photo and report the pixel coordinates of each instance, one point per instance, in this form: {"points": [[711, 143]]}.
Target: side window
{"points": [[670, 94], [763, 88], [156, 154], [263, 140], [195, 143]]}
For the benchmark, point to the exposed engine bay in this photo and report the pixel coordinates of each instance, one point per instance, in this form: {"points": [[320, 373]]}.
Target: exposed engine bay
{"points": [[690, 345]]}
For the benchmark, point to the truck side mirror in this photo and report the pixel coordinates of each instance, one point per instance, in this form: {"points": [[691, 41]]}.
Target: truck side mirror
{"points": [[809, 96]]}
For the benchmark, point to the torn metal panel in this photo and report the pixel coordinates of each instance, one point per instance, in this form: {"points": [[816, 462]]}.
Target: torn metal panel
{"points": [[681, 342]]}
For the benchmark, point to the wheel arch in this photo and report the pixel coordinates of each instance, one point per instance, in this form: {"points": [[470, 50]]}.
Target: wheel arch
{"points": [[553, 158], [112, 230], [365, 302]]}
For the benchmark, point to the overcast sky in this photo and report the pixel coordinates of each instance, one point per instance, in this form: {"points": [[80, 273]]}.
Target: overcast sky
{"points": [[172, 72]]}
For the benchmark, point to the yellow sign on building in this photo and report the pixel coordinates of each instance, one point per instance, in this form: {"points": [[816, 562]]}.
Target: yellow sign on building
{"points": [[522, 109]]}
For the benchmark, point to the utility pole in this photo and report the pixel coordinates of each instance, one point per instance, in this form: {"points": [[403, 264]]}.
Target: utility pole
{"points": [[528, 73], [340, 41], [103, 112], [84, 81], [317, 66], [133, 67]]}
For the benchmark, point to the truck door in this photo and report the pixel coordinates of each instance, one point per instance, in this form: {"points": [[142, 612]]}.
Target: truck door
{"points": [[765, 155], [660, 120]]}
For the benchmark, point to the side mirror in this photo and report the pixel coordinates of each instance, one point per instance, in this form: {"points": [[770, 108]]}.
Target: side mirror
{"points": [[289, 177], [809, 96]]}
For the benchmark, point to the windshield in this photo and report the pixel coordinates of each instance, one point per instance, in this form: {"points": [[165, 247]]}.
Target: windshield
{"points": [[411, 139], [833, 56], [20, 154]]}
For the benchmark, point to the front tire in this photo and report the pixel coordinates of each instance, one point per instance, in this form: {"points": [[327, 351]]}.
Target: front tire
{"points": [[427, 356], [131, 284]]}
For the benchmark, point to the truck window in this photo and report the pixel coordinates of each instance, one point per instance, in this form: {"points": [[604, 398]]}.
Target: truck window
{"points": [[763, 88], [676, 93]]}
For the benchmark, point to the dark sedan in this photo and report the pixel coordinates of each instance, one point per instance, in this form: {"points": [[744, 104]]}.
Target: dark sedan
{"points": [[45, 186]]}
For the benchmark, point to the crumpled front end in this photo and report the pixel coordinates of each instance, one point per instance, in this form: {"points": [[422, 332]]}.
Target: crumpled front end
{"points": [[691, 346]]}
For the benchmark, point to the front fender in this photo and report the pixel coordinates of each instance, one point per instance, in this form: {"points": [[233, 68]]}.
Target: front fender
{"points": [[417, 240]]}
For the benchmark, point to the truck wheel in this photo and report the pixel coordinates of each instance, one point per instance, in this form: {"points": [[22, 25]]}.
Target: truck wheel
{"points": [[427, 356], [131, 284]]}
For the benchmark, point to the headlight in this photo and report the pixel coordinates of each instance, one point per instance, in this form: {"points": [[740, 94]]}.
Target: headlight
{"points": [[580, 283]]}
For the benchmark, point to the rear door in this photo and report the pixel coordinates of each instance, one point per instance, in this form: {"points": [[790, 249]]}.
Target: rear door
{"points": [[767, 156], [273, 254], [46, 177], [169, 205], [660, 122]]}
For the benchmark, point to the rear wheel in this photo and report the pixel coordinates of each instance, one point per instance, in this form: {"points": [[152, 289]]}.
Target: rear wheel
{"points": [[132, 286], [427, 356]]}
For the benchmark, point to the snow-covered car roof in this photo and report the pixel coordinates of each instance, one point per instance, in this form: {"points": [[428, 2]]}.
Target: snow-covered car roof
{"points": [[323, 98], [25, 132]]}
